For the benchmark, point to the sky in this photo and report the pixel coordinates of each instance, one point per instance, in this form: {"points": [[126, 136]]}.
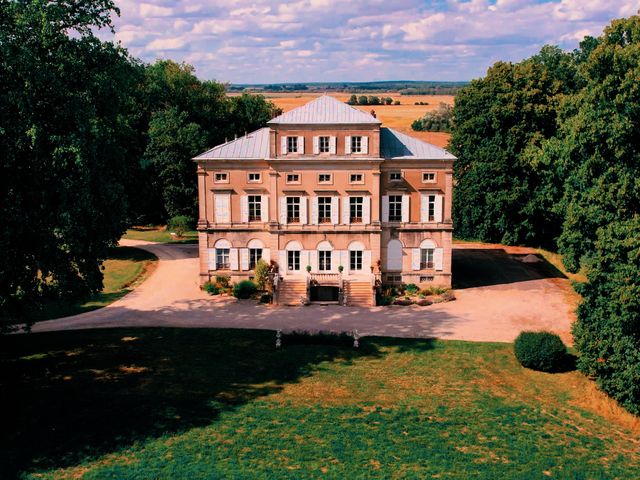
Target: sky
{"points": [[262, 41]]}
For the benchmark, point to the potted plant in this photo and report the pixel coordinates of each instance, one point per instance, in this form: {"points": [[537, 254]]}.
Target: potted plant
{"points": [[340, 268], [308, 268]]}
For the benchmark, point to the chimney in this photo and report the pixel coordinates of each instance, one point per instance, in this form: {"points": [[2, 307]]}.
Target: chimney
{"points": [[373, 114]]}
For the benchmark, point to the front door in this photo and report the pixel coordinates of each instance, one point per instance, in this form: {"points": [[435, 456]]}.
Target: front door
{"points": [[324, 294]]}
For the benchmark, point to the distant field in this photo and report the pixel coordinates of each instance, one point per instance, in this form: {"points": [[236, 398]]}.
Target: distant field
{"points": [[399, 117]]}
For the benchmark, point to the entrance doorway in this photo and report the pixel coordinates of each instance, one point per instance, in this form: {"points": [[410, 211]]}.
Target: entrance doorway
{"points": [[322, 293]]}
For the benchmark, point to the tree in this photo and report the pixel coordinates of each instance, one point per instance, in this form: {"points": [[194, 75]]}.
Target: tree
{"points": [[363, 100], [353, 100], [63, 149], [373, 100], [607, 331], [506, 190], [439, 120], [388, 100]]}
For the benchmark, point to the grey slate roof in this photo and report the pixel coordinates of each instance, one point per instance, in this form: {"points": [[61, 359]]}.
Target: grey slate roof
{"points": [[252, 145], [324, 110], [397, 145]]}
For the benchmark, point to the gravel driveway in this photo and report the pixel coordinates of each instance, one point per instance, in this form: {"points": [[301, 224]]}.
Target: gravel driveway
{"points": [[497, 297]]}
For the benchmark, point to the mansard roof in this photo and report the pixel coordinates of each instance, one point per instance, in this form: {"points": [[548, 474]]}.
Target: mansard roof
{"points": [[399, 146], [251, 146], [324, 110]]}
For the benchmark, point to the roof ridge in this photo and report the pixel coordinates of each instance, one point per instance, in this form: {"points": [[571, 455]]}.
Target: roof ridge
{"points": [[324, 109]]}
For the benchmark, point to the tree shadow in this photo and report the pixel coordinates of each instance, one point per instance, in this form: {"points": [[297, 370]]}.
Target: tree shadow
{"points": [[484, 267], [74, 395]]}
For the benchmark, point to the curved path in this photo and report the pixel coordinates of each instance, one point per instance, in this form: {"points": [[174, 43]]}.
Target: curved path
{"points": [[500, 297]]}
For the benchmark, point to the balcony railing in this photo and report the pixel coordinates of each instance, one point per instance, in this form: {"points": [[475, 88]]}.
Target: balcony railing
{"points": [[325, 278], [355, 220], [293, 219], [426, 265]]}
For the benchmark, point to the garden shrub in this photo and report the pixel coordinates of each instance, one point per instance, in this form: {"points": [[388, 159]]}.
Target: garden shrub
{"points": [[384, 300], [423, 302], [403, 302], [543, 351], [223, 281], [412, 289], [265, 298], [179, 225], [244, 289], [448, 296], [211, 288], [261, 274]]}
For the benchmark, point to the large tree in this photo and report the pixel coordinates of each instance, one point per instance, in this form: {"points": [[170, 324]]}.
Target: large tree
{"points": [[62, 148], [505, 192]]}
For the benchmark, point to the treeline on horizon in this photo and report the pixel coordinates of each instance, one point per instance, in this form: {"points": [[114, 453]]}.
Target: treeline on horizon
{"points": [[549, 155], [92, 141], [410, 87]]}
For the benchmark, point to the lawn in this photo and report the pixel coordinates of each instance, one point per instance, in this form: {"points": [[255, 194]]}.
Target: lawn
{"points": [[170, 403], [159, 234], [125, 268]]}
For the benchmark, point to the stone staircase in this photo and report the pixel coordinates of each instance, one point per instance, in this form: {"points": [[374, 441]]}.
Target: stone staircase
{"points": [[358, 293], [290, 292]]}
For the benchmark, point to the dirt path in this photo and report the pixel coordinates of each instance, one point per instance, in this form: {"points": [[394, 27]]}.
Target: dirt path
{"points": [[498, 296]]}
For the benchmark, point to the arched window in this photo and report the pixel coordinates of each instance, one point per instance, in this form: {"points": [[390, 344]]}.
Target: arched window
{"points": [[394, 255], [427, 247], [355, 256], [324, 256], [223, 248], [355, 245], [293, 245], [255, 252], [293, 249]]}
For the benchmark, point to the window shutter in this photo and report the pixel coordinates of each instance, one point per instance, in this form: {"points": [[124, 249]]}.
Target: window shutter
{"points": [[283, 145], [300, 144], [212, 259], [347, 144], [345, 210], [438, 208], [344, 261], [424, 208], [304, 260], [332, 145], [222, 208], [244, 259], [314, 210], [282, 262], [316, 145], [283, 210], [385, 208], [415, 258], [365, 144], [366, 210], [244, 208], [313, 260], [438, 258], [366, 261], [233, 258], [266, 255], [335, 210], [264, 211], [303, 210], [335, 260], [405, 209]]}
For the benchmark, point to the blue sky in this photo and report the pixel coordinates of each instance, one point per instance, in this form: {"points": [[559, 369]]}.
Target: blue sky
{"points": [[262, 41]]}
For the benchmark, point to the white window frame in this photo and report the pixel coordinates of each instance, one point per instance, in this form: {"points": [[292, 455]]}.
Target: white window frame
{"points": [[355, 181], [324, 260], [392, 174], [292, 141], [326, 205], [325, 182], [429, 177], [356, 257], [398, 206], [356, 144], [255, 254], [291, 181], [221, 254], [254, 203], [257, 177], [356, 203], [426, 258], [224, 177], [324, 144], [291, 205], [292, 260]]}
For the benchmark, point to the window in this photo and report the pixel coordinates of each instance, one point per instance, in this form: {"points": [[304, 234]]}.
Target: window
{"points": [[293, 209], [428, 177], [324, 178], [395, 208], [394, 278], [356, 144], [255, 177], [323, 144], [431, 208], [293, 260], [324, 209], [424, 279], [221, 177], [293, 178], [395, 176], [255, 254], [356, 178], [355, 209], [355, 259], [222, 258], [255, 208], [292, 144], [324, 260], [426, 258]]}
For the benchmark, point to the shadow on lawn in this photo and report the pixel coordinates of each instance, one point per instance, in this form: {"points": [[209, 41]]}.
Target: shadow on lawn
{"points": [[493, 266], [78, 394]]}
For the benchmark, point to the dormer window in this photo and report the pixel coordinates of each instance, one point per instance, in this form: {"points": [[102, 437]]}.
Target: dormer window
{"points": [[394, 176], [221, 177], [292, 144], [356, 144], [428, 177], [254, 177]]}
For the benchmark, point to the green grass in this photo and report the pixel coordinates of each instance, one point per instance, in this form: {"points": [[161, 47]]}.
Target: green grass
{"points": [[159, 234], [170, 403], [125, 268]]}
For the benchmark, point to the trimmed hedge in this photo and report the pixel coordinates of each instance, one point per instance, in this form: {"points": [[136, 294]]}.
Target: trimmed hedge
{"points": [[244, 289], [543, 351]]}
